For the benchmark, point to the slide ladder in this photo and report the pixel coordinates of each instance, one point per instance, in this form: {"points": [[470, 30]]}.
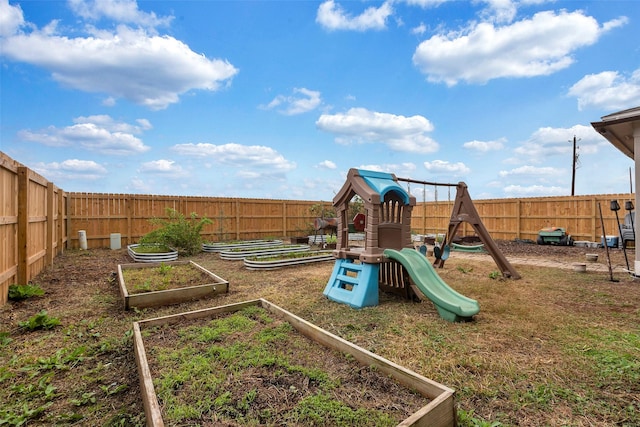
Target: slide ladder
{"points": [[358, 289]]}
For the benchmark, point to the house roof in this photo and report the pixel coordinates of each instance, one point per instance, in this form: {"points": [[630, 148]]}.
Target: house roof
{"points": [[618, 129]]}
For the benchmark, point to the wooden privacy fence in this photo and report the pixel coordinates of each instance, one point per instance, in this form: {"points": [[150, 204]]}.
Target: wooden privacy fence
{"points": [[509, 219], [101, 215], [39, 220], [33, 228]]}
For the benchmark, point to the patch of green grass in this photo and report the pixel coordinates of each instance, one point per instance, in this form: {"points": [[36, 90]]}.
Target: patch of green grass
{"points": [[321, 409]]}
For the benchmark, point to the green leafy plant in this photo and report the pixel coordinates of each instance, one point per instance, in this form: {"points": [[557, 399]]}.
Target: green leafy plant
{"points": [[20, 292], [164, 269], [40, 321], [494, 275], [5, 339], [178, 232]]}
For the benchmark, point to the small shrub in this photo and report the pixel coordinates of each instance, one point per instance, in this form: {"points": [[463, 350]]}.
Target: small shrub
{"points": [[20, 292], [178, 231]]}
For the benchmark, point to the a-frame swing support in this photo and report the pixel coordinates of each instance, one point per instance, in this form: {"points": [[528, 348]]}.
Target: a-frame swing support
{"points": [[465, 211]]}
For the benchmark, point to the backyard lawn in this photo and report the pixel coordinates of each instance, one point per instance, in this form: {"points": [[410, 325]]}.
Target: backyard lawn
{"points": [[556, 347]]}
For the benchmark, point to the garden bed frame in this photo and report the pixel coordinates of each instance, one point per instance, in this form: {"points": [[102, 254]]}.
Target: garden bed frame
{"points": [[225, 246], [170, 296], [438, 412], [239, 254], [172, 255], [266, 262]]}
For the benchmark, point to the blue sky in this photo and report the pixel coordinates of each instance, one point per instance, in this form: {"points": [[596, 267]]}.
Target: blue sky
{"points": [[278, 99]]}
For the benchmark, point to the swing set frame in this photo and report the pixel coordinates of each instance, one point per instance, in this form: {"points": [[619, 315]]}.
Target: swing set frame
{"points": [[465, 211]]}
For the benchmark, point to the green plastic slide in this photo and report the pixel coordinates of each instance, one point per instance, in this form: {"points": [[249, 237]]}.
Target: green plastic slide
{"points": [[451, 305]]}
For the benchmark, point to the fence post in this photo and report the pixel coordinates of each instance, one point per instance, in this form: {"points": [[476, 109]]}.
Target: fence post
{"points": [[237, 219], [59, 222], [23, 225], [518, 219], [129, 209], [50, 238]]}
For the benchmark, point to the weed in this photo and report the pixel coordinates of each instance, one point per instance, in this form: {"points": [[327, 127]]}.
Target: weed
{"points": [[22, 416], [113, 388], [467, 419], [464, 270], [164, 269], [5, 339], [40, 321], [20, 292], [86, 399], [60, 360], [495, 275]]}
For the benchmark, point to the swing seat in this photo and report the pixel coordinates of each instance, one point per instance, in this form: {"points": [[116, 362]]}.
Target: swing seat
{"points": [[442, 253]]}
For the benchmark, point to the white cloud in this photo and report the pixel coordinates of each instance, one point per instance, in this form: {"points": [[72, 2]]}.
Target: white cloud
{"points": [[11, 18], [547, 142], [163, 167], [401, 170], [399, 133], [500, 10], [249, 160], [531, 47], [608, 90], [71, 169], [419, 30], [302, 101], [333, 17], [99, 134], [446, 167], [326, 164], [485, 146], [531, 171], [534, 190], [125, 11], [149, 70]]}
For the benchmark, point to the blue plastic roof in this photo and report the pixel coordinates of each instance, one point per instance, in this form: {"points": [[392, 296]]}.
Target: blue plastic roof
{"points": [[382, 183]]}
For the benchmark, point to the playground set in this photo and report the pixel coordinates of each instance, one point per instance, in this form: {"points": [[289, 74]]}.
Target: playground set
{"points": [[388, 260]]}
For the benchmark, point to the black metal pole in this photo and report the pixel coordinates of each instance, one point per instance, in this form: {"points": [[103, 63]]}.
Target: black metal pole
{"points": [[573, 169], [606, 247], [615, 206], [624, 250]]}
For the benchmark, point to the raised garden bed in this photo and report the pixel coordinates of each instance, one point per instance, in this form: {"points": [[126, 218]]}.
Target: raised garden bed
{"points": [[225, 246], [241, 253], [287, 371], [151, 253], [157, 284], [272, 262]]}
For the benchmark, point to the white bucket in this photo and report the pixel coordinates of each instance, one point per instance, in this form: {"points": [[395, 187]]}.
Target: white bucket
{"points": [[115, 241], [82, 238]]}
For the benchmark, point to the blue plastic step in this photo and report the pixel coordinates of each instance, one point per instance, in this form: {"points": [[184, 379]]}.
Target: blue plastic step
{"points": [[364, 287]]}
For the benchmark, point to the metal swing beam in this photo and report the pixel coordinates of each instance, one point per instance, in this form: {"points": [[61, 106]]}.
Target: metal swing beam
{"points": [[465, 211]]}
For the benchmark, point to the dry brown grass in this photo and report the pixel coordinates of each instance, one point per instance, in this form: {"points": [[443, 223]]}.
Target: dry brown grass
{"points": [[553, 348]]}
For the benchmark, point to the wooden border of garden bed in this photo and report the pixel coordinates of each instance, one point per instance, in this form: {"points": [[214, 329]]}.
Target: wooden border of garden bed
{"points": [[439, 412], [170, 296]]}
